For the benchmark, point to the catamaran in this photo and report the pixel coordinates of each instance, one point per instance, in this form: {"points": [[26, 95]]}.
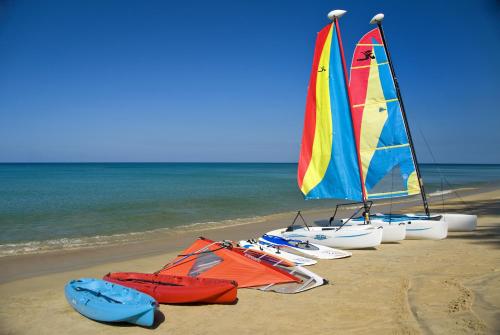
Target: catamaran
{"points": [[387, 155], [329, 164]]}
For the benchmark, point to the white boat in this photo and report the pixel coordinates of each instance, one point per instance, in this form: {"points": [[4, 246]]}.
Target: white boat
{"points": [[277, 251], [329, 162], [356, 237], [421, 226], [454, 222], [417, 226], [274, 238], [388, 159], [357, 145]]}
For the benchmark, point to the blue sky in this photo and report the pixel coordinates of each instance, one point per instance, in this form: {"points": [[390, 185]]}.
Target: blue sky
{"points": [[227, 80]]}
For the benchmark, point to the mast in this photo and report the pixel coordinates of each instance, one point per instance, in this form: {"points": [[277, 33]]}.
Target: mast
{"points": [[334, 16], [377, 19]]}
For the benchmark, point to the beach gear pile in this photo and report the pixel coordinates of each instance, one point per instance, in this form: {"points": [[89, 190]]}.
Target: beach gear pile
{"points": [[207, 272]]}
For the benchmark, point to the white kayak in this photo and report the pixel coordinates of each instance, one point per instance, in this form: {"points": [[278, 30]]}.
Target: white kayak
{"points": [[418, 227], [277, 251], [305, 247], [354, 237]]}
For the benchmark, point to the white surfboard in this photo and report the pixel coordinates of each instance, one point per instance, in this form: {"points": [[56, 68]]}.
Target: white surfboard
{"points": [[278, 251]]}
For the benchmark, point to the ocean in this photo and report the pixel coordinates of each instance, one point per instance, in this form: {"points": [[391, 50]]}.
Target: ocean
{"points": [[51, 206]]}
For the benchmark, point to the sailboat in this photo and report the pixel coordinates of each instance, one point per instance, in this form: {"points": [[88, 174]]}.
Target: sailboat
{"points": [[329, 165], [387, 156]]}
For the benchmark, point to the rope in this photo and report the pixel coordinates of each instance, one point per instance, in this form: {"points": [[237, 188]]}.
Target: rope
{"points": [[392, 190], [443, 177], [223, 244]]}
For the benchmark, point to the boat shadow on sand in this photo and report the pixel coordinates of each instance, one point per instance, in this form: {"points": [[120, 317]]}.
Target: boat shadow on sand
{"points": [[482, 235], [159, 319], [485, 234], [194, 304]]}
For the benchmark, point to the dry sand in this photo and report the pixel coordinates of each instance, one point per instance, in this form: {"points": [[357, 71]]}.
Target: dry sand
{"points": [[439, 287]]}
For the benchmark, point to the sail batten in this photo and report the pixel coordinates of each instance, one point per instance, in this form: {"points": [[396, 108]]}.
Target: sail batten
{"points": [[381, 139]]}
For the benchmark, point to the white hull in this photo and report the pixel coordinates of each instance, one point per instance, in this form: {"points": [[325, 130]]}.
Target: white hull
{"points": [[460, 222], [455, 222], [426, 230], [419, 229], [392, 232], [344, 238]]}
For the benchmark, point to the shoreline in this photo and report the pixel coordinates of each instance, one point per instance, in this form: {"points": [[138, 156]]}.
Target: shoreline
{"points": [[12, 249], [165, 240], [412, 287]]}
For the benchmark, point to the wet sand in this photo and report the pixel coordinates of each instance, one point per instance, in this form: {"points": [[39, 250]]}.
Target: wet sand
{"points": [[413, 287]]}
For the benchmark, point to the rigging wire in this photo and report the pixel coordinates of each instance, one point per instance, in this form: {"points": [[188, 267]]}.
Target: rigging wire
{"points": [[443, 177]]}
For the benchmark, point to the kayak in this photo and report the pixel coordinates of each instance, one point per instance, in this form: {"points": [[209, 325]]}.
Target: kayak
{"points": [[108, 302], [169, 289], [277, 251], [310, 249]]}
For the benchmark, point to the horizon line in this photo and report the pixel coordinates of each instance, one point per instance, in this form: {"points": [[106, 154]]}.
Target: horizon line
{"points": [[200, 162]]}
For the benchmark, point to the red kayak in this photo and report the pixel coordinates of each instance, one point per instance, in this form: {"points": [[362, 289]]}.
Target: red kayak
{"points": [[167, 289]]}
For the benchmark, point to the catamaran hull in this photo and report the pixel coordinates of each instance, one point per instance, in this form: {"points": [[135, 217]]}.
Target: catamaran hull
{"points": [[426, 230], [392, 232], [460, 222], [344, 238], [455, 222], [416, 228]]}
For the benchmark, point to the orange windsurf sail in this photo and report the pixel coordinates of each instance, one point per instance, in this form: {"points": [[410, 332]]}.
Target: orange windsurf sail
{"points": [[209, 259]]}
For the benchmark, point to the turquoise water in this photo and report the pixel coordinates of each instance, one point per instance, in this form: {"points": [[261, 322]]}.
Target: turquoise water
{"points": [[54, 202]]}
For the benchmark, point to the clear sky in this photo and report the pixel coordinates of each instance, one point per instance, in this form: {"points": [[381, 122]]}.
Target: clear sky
{"points": [[105, 80]]}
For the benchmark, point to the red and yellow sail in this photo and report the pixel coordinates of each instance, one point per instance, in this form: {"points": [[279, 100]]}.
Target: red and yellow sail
{"points": [[387, 165]]}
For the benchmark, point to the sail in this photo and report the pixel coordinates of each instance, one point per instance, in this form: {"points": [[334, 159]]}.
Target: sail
{"points": [[209, 259], [387, 165], [328, 163]]}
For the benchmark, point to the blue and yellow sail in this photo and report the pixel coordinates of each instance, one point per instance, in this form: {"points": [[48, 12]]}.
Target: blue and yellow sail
{"points": [[387, 166], [328, 163]]}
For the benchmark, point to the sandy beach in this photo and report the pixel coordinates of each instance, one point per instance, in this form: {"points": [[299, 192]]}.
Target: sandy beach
{"points": [[413, 287]]}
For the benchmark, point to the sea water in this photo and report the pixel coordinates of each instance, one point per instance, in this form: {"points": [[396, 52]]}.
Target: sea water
{"points": [[48, 206]]}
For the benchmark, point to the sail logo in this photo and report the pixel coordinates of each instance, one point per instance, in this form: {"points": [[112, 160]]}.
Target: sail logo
{"points": [[368, 54], [322, 69], [320, 237]]}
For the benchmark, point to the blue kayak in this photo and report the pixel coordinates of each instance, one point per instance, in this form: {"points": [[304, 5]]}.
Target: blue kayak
{"points": [[104, 301]]}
